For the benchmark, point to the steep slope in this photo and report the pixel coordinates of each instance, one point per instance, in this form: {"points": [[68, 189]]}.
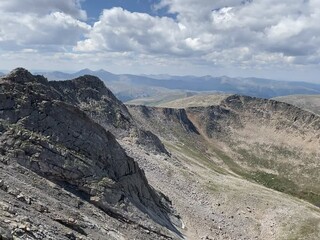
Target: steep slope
{"points": [[91, 95], [94, 189], [226, 153], [307, 102]]}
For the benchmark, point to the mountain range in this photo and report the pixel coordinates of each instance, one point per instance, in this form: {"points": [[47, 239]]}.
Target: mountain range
{"points": [[131, 87]]}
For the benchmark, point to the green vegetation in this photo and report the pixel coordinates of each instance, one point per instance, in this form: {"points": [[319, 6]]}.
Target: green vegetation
{"points": [[199, 100], [253, 159], [284, 185], [203, 160], [159, 98], [276, 182], [279, 183], [273, 181], [234, 167], [305, 231]]}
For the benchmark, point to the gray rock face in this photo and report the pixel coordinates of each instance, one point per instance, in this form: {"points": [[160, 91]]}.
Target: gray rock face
{"points": [[43, 131], [91, 95]]}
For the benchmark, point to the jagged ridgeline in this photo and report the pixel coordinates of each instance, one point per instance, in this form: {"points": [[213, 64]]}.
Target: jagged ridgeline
{"points": [[63, 174]]}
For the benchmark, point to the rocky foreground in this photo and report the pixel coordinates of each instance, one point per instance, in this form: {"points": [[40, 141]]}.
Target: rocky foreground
{"points": [[63, 176]]}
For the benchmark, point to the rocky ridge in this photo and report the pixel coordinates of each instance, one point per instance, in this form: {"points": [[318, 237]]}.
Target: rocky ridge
{"points": [[91, 95], [47, 140]]}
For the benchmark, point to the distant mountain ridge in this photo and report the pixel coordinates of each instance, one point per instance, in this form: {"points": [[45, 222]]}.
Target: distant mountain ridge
{"points": [[128, 83], [58, 75]]}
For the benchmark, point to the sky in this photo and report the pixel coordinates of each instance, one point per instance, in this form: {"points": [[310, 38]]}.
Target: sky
{"points": [[261, 38]]}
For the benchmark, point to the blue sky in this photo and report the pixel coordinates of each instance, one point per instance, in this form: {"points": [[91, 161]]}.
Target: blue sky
{"points": [[265, 38], [94, 7]]}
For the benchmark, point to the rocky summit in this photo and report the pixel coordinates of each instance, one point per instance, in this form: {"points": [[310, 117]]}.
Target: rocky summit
{"points": [[64, 176]]}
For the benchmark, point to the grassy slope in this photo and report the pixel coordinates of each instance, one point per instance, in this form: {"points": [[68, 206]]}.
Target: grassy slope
{"points": [[273, 150], [202, 100], [161, 97]]}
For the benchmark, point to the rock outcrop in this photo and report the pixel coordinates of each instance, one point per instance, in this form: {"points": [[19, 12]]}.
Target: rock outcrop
{"points": [[44, 131], [89, 94]]}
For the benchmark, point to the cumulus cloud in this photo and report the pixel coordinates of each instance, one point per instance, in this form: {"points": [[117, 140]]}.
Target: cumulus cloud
{"points": [[43, 7], [41, 24], [220, 32], [122, 31]]}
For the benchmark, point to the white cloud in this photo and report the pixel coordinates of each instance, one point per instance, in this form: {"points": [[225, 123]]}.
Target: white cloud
{"points": [[219, 32], [122, 31], [41, 24], [244, 34], [54, 29], [44, 7]]}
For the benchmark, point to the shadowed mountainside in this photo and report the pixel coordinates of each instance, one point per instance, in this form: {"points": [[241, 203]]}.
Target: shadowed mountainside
{"points": [[90, 95], [45, 136]]}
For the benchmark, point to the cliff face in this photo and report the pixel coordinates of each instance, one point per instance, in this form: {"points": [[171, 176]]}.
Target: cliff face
{"points": [[91, 95], [43, 131]]}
